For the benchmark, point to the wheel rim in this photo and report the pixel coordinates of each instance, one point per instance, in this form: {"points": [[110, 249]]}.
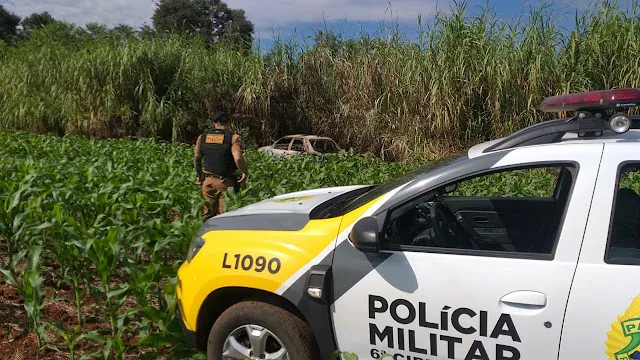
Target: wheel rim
{"points": [[253, 342]]}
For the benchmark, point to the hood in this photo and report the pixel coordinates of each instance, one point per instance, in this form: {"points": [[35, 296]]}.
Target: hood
{"points": [[301, 202], [288, 212]]}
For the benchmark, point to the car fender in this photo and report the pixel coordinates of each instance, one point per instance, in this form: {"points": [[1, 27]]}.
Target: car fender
{"points": [[258, 259]]}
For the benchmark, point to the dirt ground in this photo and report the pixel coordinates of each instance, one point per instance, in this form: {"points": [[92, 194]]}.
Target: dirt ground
{"points": [[18, 343]]}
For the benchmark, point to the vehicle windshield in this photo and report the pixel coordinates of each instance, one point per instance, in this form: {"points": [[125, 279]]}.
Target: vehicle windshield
{"points": [[356, 198]]}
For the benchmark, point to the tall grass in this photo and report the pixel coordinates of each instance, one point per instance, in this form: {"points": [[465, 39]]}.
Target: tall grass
{"points": [[467, 79]]}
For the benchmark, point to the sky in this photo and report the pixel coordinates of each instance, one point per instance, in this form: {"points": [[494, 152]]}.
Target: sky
{"points": [[286, 19]]}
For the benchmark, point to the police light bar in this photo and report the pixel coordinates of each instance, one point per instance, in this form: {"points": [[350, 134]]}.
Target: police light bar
{"points": [[592, 100]]}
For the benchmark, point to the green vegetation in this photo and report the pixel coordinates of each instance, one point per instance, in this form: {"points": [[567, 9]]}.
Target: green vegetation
{"points": [[466, 79]]}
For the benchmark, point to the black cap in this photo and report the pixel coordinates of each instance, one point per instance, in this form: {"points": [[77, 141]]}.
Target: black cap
{"points": [[221, 117]]}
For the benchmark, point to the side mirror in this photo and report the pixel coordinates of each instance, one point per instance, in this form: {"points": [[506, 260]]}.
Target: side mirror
{"points": [[364, 235]]}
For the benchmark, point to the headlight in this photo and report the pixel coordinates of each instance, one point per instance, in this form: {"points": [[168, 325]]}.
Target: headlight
{"points": [[194, 247]]}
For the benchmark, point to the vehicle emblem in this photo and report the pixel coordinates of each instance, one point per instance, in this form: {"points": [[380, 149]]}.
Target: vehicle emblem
{"points": [[623, 341]]}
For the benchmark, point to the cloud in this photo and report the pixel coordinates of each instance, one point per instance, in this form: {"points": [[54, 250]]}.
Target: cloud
{"points": [[275, 13], [81, 12]]}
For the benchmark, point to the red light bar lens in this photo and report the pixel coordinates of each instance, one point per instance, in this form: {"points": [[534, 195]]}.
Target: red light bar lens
{"points": [[601, 99]]}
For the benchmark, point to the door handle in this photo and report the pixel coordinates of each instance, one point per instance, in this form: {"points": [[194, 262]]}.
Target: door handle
{"points": [[527, 300]]}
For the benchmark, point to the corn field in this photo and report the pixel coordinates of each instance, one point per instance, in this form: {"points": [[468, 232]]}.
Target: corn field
{"points": [[93, 231], [467, 78]]}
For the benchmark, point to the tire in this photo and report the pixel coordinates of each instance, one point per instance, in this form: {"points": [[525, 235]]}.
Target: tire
{"points": [[287, 329]]}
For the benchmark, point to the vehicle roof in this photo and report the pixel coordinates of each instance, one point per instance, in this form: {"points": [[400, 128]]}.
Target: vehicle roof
{"points": [[310, 137], [569, 138]]}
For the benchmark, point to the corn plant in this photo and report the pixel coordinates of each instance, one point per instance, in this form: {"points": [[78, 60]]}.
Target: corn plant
{"points": [[33, 292], [71, 335]]}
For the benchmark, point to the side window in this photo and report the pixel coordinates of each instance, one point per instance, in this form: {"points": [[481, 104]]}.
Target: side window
{"points": [[297, 145], [623, 246], [324, 146], [516, 211], [530, 182], [282, 144]]}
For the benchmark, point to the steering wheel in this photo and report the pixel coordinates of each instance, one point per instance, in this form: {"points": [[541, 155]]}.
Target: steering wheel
{"points": [[446, 225], [414, 228]]}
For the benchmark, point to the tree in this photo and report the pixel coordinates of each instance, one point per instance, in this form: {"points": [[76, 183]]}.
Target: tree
{"points": [[146, 32], [211, 19], [95, 29], [239, 30], [8, 24], [36, 21], [123, 31], [59, 32]]}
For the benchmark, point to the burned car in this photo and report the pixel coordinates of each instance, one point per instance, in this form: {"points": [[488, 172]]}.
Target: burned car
{"points": [[302, 144]]}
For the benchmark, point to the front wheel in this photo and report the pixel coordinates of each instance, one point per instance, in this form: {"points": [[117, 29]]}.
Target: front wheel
{"points": [[257, 330]]}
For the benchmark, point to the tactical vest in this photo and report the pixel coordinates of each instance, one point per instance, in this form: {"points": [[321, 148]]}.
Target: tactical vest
{"points": [[215, 147]]}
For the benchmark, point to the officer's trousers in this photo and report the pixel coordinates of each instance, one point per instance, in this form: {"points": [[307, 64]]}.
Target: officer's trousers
{"points": [[213, 191]]}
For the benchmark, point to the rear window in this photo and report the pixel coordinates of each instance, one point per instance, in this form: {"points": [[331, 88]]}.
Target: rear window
{"points": [[324, 146]]}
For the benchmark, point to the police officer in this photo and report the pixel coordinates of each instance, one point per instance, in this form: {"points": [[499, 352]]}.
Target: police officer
{"points": [[221, 149]]}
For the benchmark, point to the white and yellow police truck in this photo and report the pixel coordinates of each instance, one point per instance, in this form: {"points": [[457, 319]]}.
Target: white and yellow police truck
{"points": [[522, 248]]}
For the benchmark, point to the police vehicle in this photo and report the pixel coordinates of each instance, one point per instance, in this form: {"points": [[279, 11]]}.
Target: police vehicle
{"points": [[418, 269]]}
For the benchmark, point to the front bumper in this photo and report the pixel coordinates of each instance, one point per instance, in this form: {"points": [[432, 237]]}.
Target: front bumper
{"points": [[190, 336]]}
